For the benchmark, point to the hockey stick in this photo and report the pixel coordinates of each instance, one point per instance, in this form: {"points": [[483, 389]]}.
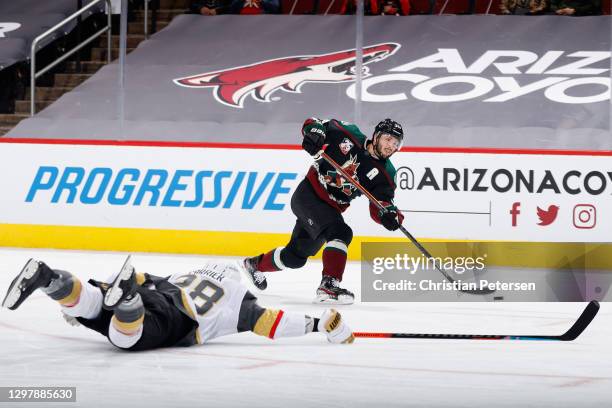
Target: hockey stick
{"points": [[382, 208], [577, 328]]}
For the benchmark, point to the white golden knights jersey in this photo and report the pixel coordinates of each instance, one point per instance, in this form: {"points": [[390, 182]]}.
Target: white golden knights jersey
{"points": [[211, 296]]}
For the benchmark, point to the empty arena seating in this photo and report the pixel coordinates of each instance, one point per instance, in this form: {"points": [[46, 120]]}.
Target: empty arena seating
{"points": [[454, 6], [417, 7], [179, 88], [21, 22]]}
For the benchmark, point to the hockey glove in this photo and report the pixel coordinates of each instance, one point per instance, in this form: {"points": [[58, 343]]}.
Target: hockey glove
{"points": [[391, 219], [314, 138]]}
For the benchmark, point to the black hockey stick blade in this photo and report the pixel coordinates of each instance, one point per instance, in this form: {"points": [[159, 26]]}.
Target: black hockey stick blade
{"points": [[577, 328], [582, 323]]}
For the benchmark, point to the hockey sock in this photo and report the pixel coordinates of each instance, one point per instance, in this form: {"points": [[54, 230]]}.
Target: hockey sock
{"points": [[127, 322], [334, 259], [278, 323], [76, 299], [65, 288], [271, 261]]}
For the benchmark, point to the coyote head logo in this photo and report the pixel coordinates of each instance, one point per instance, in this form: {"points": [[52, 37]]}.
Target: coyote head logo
{"points": [[261, 79], [333, 178]]}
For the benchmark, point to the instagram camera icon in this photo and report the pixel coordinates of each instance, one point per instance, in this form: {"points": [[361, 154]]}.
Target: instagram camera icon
{"points": [[585, 216]]}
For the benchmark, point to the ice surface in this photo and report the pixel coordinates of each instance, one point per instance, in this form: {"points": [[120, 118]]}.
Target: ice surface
{"points": [[39, 349]]}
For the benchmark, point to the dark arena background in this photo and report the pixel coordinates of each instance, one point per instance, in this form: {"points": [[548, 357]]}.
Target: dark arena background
{"points": [[172, 130]]}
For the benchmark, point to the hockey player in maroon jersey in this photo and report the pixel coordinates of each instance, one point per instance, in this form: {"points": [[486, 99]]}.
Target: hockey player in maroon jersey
{"points": [[320, 199]]}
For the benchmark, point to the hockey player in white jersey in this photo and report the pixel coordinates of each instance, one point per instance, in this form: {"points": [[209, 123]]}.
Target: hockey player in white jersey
{"points": [[139, 311]]}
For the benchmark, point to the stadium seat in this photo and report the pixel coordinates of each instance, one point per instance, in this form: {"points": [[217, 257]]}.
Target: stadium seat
{"points": [[330, 7], [487, 7], [452, 6], [297, 6], [422, 6]]}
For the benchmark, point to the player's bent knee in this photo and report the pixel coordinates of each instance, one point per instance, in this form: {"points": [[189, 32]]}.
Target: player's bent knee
{"points": [[291, 259], [339, 232]]}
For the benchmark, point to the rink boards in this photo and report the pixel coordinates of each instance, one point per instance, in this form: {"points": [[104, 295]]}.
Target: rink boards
{"points": [[232, 199]]}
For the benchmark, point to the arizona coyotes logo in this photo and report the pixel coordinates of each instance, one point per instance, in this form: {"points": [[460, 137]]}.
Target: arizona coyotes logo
{"points": [[334, 179], [262, 79]]}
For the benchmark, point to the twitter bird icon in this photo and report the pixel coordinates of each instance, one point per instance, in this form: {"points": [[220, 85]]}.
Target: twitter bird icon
{"points": [[547, 217]]}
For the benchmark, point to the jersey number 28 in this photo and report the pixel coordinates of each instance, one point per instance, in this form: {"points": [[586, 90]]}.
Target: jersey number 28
{"points": [[203, 292]]}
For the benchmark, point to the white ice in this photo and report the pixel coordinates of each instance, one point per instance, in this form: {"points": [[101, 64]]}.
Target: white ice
{"points": [[39, 349]]}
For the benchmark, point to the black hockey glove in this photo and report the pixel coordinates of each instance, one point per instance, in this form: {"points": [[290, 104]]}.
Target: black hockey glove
{"points": [[314, 138], [389, 220]]}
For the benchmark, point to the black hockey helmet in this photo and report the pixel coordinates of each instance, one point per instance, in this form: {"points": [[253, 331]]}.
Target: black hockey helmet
{"points": [[389, 127]]}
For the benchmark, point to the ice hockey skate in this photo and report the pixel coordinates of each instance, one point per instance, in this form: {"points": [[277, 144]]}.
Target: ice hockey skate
{"points": [[336, 330], [254, 276], [34, 275], [122, 287], [329, 291]]}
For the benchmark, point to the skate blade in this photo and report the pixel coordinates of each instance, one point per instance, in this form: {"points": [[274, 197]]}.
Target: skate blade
{"points": [[115, 292], [14, 292], [342, 300]]}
